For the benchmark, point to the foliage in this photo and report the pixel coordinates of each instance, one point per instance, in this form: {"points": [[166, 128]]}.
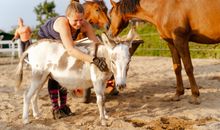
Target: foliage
{"points": [[44, 11]]}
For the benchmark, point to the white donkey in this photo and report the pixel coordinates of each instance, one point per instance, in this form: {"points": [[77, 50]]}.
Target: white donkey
{"points": [[49, 58]]}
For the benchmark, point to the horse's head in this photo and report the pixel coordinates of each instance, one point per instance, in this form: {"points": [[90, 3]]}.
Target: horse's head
{"points": [[96, 13], [118, 59], [118, 21]]}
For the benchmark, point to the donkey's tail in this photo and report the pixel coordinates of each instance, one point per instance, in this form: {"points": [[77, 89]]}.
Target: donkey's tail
{"points": [[19, 70]]}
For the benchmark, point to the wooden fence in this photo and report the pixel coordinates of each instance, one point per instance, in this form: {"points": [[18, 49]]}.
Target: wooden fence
{"points": [[9, 47]]}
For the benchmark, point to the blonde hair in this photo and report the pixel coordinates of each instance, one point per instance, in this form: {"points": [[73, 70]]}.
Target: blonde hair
{"points": [[74, 7]]}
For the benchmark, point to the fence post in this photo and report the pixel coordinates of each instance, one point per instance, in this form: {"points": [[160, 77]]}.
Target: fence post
{"points": [[13, 49]]}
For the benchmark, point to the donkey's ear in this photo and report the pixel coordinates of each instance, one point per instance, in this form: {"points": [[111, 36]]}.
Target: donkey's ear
{"points": [[132, 35], [130, 38], [107, 41], [113, 3]]}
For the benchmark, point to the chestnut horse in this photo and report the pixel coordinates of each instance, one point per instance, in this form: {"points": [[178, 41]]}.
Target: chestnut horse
{"points": [[177, 22], [96, 13]]}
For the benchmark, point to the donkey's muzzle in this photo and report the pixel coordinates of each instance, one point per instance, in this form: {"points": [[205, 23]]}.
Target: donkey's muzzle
{"points": [[121, 87]]}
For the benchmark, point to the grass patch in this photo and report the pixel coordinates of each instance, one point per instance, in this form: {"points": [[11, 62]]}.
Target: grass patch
{"points": [[154, 46]]}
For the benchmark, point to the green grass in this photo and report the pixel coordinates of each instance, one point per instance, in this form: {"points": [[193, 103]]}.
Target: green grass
{"points": [[154, 46]]}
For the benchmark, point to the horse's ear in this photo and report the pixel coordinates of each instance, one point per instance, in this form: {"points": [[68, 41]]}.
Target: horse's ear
{"points": [[113, 3], [107, 41]]}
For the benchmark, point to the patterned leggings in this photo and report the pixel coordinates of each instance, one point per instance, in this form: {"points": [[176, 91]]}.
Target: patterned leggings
{"points": [[56, 91]]}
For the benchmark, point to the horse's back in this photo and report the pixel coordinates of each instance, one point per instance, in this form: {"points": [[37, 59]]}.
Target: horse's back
{"points": [[199, 17], [204, 18]]}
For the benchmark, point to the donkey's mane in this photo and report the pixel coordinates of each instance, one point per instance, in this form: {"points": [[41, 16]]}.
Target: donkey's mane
{"points": [[128, 6], [49, 40]]}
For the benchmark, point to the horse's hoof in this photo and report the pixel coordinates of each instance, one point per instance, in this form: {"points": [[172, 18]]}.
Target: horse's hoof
{"points": [[195, 100], [175, 98]]}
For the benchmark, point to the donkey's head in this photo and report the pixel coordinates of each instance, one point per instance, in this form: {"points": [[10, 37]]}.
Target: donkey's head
{"points": [[118, 59]]}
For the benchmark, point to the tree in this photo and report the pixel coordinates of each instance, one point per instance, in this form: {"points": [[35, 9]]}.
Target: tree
{"points": [[44, 11]]}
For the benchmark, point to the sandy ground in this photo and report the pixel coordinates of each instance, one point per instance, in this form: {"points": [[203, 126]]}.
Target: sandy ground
{"points": [[141, 106]]}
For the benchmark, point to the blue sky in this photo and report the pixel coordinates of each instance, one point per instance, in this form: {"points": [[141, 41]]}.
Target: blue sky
{"points": [[11, 10]]}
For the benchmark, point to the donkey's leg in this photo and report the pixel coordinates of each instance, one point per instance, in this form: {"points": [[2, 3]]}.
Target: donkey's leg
{"points": [[35, 84], [99, 88], [177, 69], [36, 113], [182, 46], [35, 110]]}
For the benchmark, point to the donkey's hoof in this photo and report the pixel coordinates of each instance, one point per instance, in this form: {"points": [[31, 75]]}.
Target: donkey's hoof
{"points": [[106, 116], [26, 121], [37, 116], [104, 122], [195, 100]]}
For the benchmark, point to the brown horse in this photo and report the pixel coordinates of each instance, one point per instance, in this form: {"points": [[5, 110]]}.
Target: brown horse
{"points": [[177, 22], [96, 13]]}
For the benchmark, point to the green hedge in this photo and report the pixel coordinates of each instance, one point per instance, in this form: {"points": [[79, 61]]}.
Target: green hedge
{"points": [[154, 46]]}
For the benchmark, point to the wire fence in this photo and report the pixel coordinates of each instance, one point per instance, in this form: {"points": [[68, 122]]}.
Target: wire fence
{"points": [[154, 46]]}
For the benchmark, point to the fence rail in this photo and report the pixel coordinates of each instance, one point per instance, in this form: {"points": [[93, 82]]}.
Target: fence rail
{"points": [[9, 46], [154, 46]]}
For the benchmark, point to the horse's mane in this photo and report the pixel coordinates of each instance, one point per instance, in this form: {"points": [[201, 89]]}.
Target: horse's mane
{"points": [[128, 6], [101, 3]]}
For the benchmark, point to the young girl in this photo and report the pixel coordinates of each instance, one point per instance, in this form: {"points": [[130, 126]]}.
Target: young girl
{"points": [[66, 28]]}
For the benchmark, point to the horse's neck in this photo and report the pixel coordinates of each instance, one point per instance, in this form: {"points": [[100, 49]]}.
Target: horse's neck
{"points": [[86, 14], [148, 10]]}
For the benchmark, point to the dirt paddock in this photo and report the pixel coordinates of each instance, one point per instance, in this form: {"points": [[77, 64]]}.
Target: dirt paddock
{"points": [[142, 106]]}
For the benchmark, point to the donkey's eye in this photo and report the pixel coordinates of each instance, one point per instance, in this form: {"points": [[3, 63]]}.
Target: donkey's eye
{"points": [[127, 68], [113, 62]]}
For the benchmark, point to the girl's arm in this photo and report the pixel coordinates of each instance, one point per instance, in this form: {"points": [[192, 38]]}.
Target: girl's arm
{"points": [[63, 28]]}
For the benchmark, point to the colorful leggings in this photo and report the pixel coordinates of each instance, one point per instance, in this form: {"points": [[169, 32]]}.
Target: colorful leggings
{"points": [[56, 91]]}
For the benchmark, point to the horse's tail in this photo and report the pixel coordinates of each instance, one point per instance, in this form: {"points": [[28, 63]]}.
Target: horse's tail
{"points": [[19, 71]]}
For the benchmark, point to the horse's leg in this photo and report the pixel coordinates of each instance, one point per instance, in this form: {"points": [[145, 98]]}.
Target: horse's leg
{"points": [[177, 69], [35, 84], [35, 110], [182, 46], [100, 97]]}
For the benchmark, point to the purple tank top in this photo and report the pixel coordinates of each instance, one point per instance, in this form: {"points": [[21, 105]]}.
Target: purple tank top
{"points": [[47, 31]]}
